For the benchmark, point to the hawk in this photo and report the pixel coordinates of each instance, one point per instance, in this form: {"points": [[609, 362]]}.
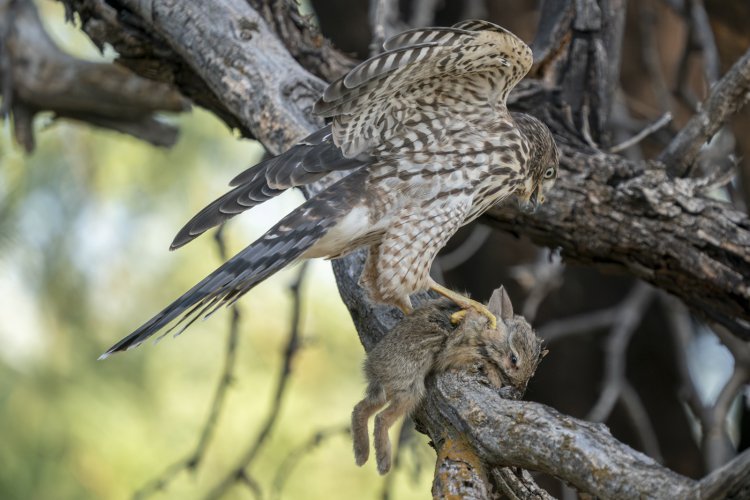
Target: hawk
{"points": [[426, 144]]}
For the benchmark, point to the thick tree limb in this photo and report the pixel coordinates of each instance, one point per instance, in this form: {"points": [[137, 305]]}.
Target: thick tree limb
{"points": [[37, 76], [238, 55], [578, 49], [536, 437], [303, 40]]}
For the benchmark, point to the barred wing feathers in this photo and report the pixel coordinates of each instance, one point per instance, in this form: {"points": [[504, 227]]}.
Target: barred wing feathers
{"points": [[369, 106], [311, 159], [389, 89]]}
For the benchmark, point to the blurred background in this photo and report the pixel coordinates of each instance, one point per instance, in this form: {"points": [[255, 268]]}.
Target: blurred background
{"points": [[85, 224]]}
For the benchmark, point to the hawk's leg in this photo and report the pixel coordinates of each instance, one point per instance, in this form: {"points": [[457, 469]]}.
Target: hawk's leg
{"points": [[464, 302]]}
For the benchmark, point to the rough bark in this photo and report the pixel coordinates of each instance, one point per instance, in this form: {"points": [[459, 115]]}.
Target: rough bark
{"points": [[37, 76], [631, 217], [537, 437]]}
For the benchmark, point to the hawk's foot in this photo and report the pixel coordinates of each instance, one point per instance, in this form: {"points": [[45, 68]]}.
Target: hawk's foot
{"points": [[459, 316], [465, 304]]}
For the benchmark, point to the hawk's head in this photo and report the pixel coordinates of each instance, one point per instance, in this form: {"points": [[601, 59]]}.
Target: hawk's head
{"points": [[543, 159]]}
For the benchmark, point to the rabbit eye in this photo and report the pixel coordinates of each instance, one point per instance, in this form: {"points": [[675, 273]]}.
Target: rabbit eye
{"points": [[513, 359]]}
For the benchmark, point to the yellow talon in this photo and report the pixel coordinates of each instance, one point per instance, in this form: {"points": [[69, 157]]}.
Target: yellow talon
{"points": [[465, 303], [458, 316]]}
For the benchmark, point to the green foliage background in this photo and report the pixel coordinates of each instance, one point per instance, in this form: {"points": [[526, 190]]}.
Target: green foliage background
{"points": [[85, 223]]}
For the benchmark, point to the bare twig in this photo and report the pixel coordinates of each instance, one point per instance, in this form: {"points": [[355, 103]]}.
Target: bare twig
{"points": [[239, 472], [650, 55], [251, 484], [693, 46], [451, 260], [681, 329], [538, 280], [633, 404], [725, 99], [628, 317], [293, 458], [716, 445], [658, 124], [704, 36], [193, 460], [466, 249], [383, 22], [578, 324], [623, 320]]}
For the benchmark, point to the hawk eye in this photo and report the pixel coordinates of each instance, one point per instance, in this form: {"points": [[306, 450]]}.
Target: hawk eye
{"points": [[549, 173], [513, 359]]}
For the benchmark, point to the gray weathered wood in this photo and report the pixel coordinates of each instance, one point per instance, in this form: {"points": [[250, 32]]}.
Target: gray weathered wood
{"points": [[37, 76], [727, 97]]}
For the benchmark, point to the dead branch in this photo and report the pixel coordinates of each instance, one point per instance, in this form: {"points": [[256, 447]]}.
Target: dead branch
{"points": [[292, 459], [37, 76], [536, 437], [303, 40], [624, 324], [193, 460], [645, 132], [726, 98], [240, 473]]}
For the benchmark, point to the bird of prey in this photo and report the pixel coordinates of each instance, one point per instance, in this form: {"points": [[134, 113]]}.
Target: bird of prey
{"points": [[425, 143]]}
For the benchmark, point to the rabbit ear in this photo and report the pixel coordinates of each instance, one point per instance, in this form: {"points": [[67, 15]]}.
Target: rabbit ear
{"points": [[500, 304]]}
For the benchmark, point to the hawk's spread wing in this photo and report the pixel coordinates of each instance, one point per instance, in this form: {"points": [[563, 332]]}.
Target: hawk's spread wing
{"points": [[474, 60], [311, 159], [372, 104]]}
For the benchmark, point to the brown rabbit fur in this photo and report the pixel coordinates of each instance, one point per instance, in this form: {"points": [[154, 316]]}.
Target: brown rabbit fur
{"points": [[425, 342]]}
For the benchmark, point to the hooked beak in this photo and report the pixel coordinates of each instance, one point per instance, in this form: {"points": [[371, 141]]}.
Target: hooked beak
{"points": [[533, 201]]}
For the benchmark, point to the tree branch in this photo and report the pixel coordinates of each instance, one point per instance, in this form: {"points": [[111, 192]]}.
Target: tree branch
{"points": [[536, 437], [193, 460], [630, 217], [36, 76], [303, 40], [726, 98], [240, 471]]}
